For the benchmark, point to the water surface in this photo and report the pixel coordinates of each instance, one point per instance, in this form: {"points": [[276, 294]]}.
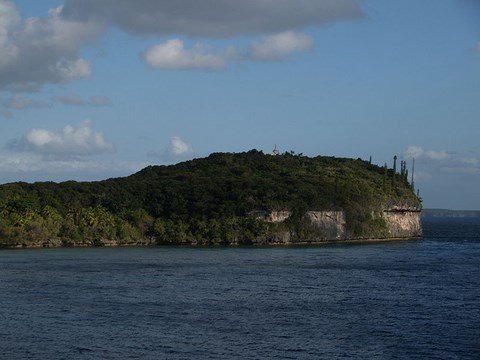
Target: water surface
{"points": [[393, 300]]}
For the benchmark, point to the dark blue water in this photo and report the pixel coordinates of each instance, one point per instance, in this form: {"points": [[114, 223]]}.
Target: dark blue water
{"points": [[395, 300]]}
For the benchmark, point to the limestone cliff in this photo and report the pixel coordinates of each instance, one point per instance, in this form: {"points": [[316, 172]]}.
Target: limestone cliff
{"points": [[396, 222], [270, 216], [331, 225], [403, 222]]}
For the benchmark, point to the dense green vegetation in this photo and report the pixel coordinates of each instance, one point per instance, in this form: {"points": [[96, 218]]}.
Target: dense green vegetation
{"points": [[202, 201]]}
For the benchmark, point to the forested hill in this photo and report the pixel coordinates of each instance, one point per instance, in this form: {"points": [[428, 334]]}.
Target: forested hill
{"points": [[206, 200]]}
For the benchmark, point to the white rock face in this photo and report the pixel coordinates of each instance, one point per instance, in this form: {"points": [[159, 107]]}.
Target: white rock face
{"points": [[330, 223], [272, 216], [403, 223]]}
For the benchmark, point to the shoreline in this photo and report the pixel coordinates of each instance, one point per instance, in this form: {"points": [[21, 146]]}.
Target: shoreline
{"points": [[191, 245]]}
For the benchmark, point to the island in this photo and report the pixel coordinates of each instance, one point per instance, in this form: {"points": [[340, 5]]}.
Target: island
{"points": [[448, 213], [248, 198]]}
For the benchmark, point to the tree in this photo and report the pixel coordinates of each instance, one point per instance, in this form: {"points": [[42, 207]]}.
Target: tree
{"points": [[394, 170], [385, 175]]}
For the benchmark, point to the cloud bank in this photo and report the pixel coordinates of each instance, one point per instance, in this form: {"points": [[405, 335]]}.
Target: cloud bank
{"points": [[73, 140], [280, 46], [19, 103], [415, 151], [73, 152], [442, 161], [173, 55], [37, 51], [212, 18], [28, 166]]}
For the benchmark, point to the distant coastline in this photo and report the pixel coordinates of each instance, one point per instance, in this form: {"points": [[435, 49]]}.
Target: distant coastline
{"points": [[428, 213]]}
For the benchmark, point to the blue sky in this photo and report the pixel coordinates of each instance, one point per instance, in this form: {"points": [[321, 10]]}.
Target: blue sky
{"points": [[92, 89]]}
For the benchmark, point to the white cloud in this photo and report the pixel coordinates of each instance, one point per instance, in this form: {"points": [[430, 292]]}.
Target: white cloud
{"points": [[442, 161], [9, 19], [28, 166], [472, 161], [178, 147], [75, 100], [71, 99], [46, 50], [176, 150], [173, 55], [100, 101], [279, 46], [20, 102], [37, 51], [69, 70], [415, 151], [436, 155], [73, 140]]}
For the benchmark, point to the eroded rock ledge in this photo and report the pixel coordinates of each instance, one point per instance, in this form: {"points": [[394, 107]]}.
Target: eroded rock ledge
{"points": [[400, 222], [403, 222]]}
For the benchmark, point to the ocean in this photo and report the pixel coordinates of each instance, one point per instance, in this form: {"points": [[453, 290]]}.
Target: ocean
{"points": [[415, 299]]}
